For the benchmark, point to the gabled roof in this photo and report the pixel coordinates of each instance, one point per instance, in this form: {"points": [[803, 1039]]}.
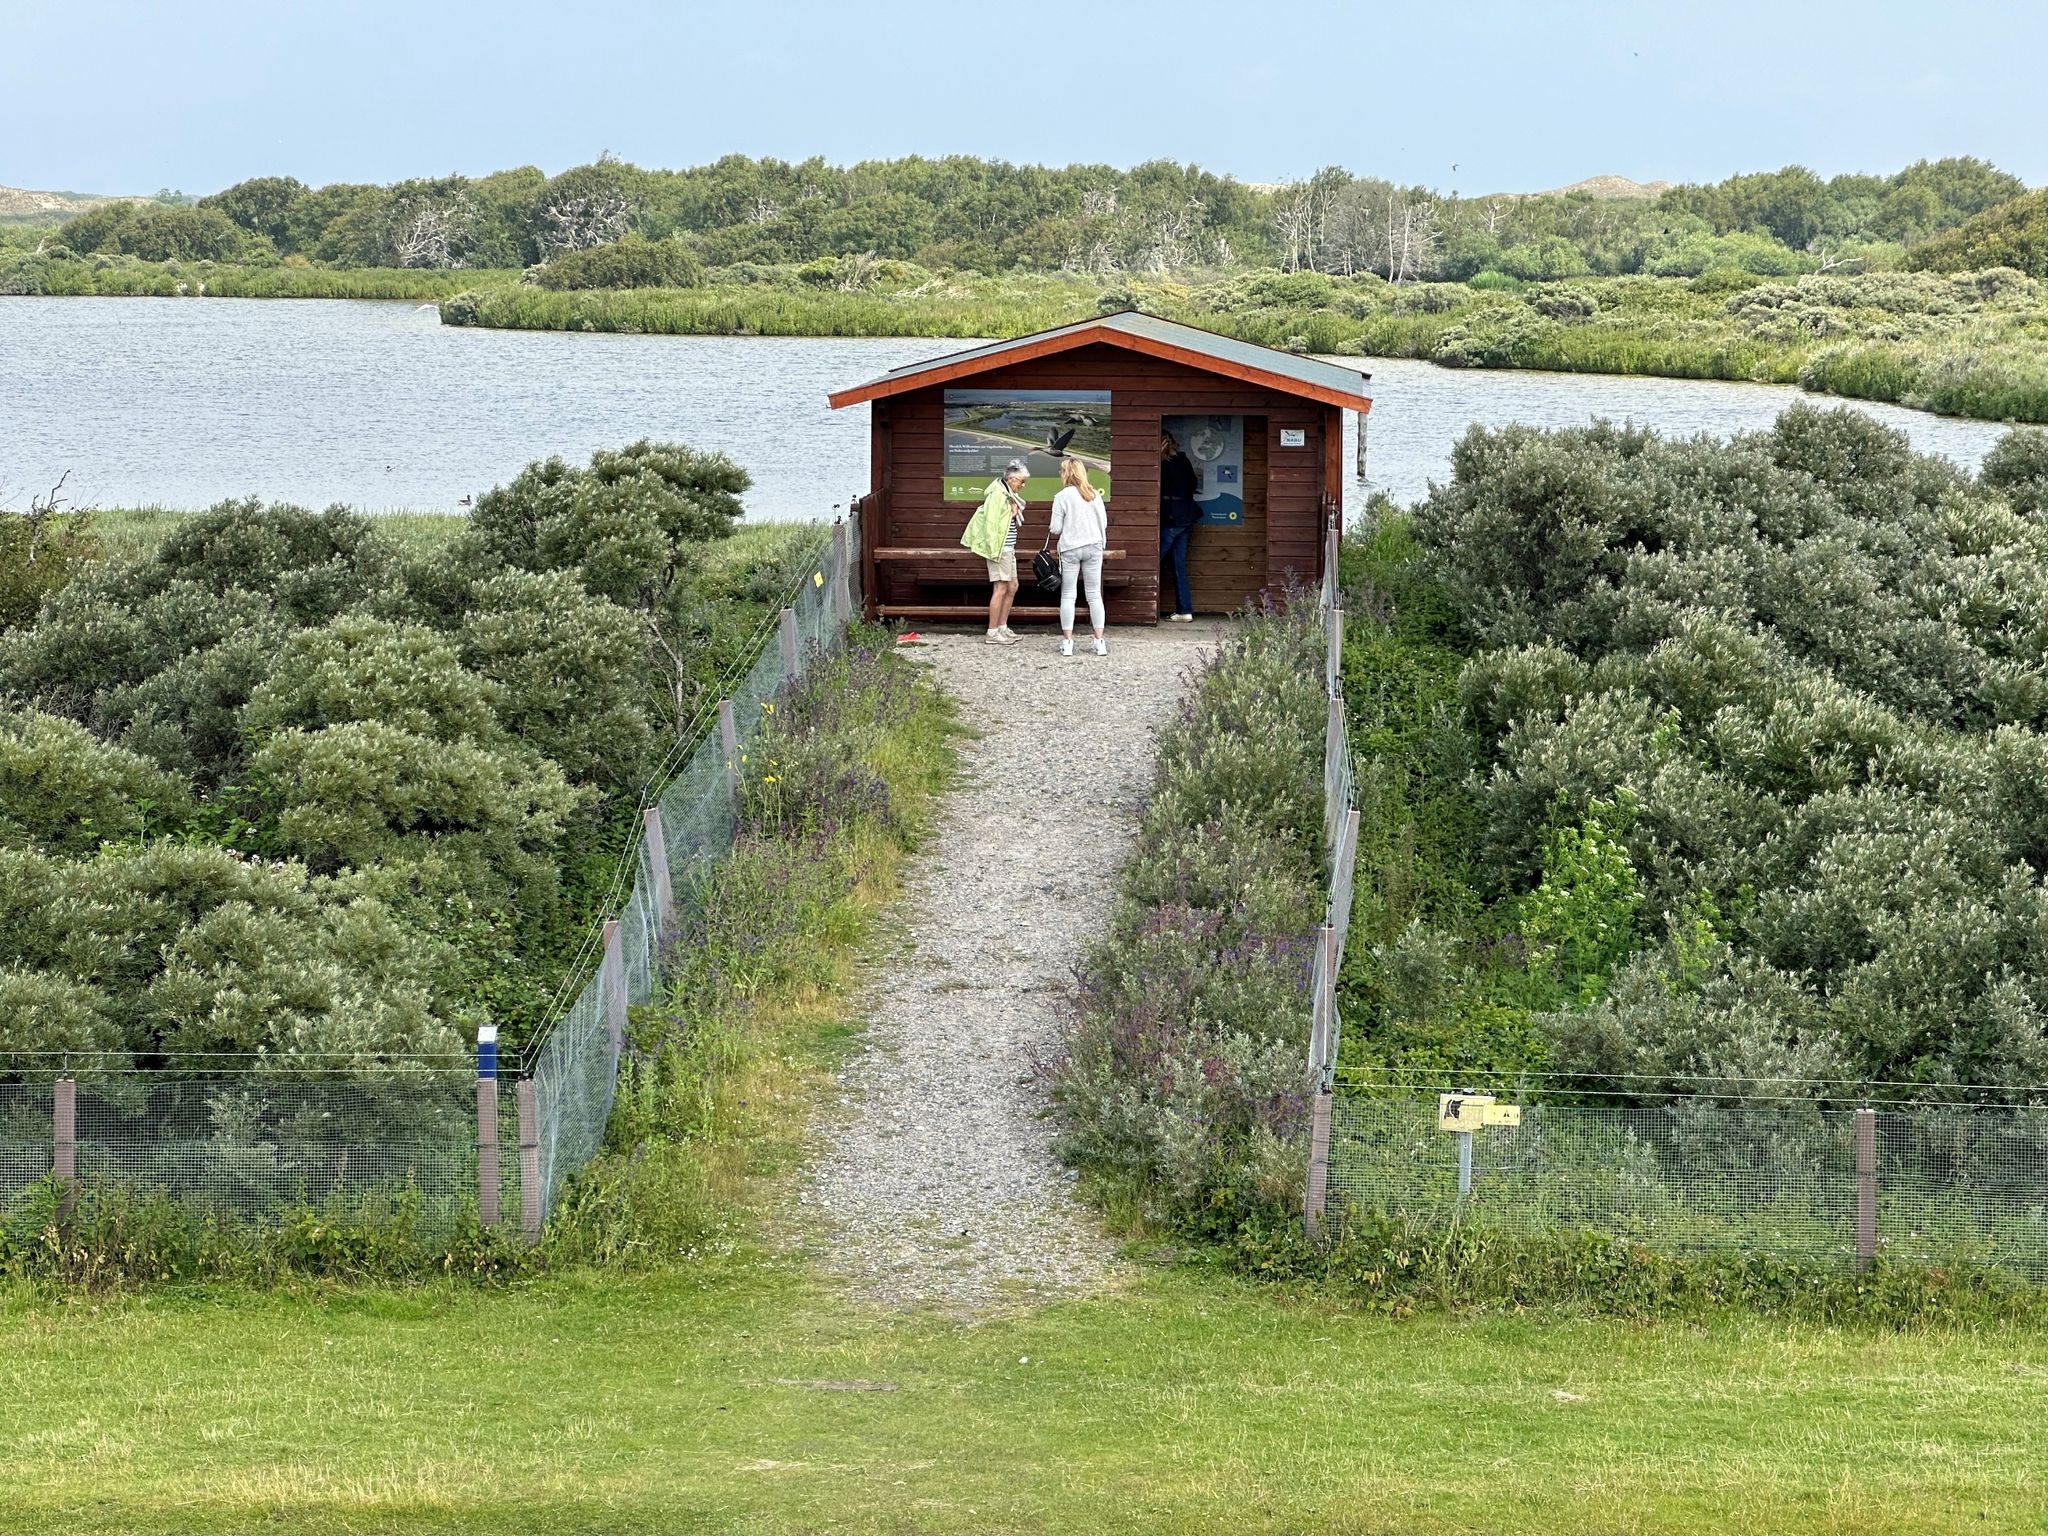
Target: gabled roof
{"points": [[1286, 372]]}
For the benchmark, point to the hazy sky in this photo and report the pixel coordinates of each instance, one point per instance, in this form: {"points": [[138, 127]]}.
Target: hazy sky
{"points": [[120, 96]]}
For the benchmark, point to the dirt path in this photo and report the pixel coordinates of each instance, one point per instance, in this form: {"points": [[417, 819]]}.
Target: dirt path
{"points": [[940, 1187]]}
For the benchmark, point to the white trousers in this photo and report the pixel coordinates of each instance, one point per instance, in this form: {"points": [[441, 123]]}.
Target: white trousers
{"points": [[1087, 565]]}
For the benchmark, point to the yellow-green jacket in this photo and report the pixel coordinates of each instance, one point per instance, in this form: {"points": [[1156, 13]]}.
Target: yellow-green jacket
{"points": [[989, 529]]}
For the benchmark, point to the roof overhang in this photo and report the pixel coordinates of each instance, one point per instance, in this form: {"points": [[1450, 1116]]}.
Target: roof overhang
{"points": [[1104, 332]]}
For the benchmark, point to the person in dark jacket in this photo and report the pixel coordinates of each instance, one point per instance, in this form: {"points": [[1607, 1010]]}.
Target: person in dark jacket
{"points": [[1178, 515]]}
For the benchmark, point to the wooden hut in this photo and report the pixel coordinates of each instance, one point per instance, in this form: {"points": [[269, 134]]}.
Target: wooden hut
{"points": [[1265, 430]]}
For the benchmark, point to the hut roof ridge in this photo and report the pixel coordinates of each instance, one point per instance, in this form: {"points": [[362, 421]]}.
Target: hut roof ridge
{"points": [[1289, 372]]}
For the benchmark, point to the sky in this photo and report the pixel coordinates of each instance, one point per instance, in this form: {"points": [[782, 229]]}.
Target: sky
{"points": [[115, 96]]}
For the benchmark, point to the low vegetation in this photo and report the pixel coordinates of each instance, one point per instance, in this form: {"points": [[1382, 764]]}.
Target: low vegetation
{"points": [[1181, 1084], [279, 783], [712, 1104], [1692, 760]]}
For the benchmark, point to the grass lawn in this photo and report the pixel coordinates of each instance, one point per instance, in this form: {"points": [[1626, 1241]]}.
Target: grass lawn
{"points": [[741, 1397]]}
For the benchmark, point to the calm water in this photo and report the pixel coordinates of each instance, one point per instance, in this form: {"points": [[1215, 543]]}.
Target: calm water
{"points": [[180, 402]]}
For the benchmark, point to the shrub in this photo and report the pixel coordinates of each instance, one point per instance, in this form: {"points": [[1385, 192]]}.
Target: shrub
{"points": [[629, 262], [1180, 1076], [1756, 728]]}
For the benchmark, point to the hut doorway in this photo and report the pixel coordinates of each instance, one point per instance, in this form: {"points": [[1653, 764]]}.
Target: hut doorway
{"points": [[1227, 561]]}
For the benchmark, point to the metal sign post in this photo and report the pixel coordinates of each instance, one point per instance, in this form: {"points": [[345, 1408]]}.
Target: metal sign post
{"points": [[1463, 1113]]}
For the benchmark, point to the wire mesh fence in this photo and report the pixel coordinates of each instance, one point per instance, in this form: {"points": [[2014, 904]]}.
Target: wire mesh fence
{"points": [[241, 1139], [1935, 1184], [575, 1064]]}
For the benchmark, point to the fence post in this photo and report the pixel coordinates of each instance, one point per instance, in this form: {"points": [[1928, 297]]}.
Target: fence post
{"points": [[1334, 654], [1332, 538], [1322, 1065], [1361, 443], [1866, 1188], [1333, 747], [1318, 1165], [786, 631], [842, 598], [64, 1149], [729, 740], [529, 1161], [614, 991], [489, 1204], [664, 879]]}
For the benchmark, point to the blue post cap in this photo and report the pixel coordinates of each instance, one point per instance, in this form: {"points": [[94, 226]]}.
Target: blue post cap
{"points": [[487, 1050]]}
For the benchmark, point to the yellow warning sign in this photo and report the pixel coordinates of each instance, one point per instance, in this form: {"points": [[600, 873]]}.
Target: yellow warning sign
{"points": [[1471, 1111]]}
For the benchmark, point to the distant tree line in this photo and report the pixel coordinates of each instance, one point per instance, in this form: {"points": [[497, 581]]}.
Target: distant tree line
{"points": [[964, 213]]}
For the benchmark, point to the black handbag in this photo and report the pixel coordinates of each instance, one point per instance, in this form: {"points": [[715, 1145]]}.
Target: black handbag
{"points": [[1045, 568]]}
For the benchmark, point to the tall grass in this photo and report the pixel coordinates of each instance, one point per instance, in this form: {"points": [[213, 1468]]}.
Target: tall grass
{"points": [[127, 277], [764, 310]]}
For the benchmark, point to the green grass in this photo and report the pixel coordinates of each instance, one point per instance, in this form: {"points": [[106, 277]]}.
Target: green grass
{"points": [[130, 277], [126, 532], [735, 1395], [962, 306]]}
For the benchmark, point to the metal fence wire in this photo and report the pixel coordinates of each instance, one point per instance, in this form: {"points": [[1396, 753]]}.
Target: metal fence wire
{"points": [[1955, 1184], [575, 1064], [222, 1138]]}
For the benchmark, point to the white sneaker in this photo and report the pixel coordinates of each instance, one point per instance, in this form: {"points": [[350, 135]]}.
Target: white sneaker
{"points": [[1007, 632], [1101, 646], [1182, 618], [995, 637], [1066, 647]]}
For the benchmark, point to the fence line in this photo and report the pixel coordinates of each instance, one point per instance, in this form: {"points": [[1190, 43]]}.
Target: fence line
{"points": [[1340, 844], [247, 1137], [1827, 1173], [1838, 1188]]}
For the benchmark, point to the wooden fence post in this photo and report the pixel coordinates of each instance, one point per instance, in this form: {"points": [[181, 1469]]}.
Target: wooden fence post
{"points": [[664, 879], [786, 632], [1332, 544], [489, 1201], [529, 1161], [842, 592], [1318, 1165], [1866, 1188], [64, 1149], [1361, 443], [729, 741], [614, 991]]}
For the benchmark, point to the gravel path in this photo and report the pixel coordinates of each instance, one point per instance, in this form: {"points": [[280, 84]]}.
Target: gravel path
{"points": [[940, 1187]]}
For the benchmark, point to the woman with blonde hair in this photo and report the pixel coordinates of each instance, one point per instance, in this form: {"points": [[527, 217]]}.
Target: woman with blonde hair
{"points": [[1080, 522]]}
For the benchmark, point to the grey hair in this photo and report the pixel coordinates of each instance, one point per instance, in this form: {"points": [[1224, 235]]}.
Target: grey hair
{"points": [[1016, 467]]}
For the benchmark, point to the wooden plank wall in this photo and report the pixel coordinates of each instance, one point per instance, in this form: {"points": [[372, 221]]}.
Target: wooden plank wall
{"points": [[909, 446]]}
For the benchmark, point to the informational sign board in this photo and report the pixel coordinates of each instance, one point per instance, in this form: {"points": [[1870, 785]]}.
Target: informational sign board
{"points": [[1469, 1112], [1294, 437], [1215, 446], [986, 428]]}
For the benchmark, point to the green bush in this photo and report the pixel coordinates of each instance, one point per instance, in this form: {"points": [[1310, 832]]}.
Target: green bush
{"points": [[1179, 1081], [1737, 776], [630, 262], [445, 743]]}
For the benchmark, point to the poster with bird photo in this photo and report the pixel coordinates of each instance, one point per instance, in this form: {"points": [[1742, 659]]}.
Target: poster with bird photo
{"points": [[986, 428]]}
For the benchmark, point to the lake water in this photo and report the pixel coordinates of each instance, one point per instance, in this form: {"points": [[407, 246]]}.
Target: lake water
{"points": [[181, 402]]}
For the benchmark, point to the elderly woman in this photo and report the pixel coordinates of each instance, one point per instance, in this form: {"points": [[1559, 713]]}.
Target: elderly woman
{"points": [[992, 534]]}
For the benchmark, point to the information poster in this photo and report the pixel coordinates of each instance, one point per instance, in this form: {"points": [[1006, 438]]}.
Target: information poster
{"points": [[1215, 446], [986, 428]]}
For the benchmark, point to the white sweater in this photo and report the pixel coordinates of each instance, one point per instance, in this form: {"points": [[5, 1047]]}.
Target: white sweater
{"points": [[1077, 522]]}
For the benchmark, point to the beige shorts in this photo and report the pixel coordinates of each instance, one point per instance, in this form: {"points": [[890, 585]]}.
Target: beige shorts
{"points": [[1004, 569]]}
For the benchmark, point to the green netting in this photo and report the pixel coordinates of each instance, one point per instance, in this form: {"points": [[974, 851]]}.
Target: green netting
{"points": [[25, 1137], [1952, 1184], [574, 1069], [252, 1143]]}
